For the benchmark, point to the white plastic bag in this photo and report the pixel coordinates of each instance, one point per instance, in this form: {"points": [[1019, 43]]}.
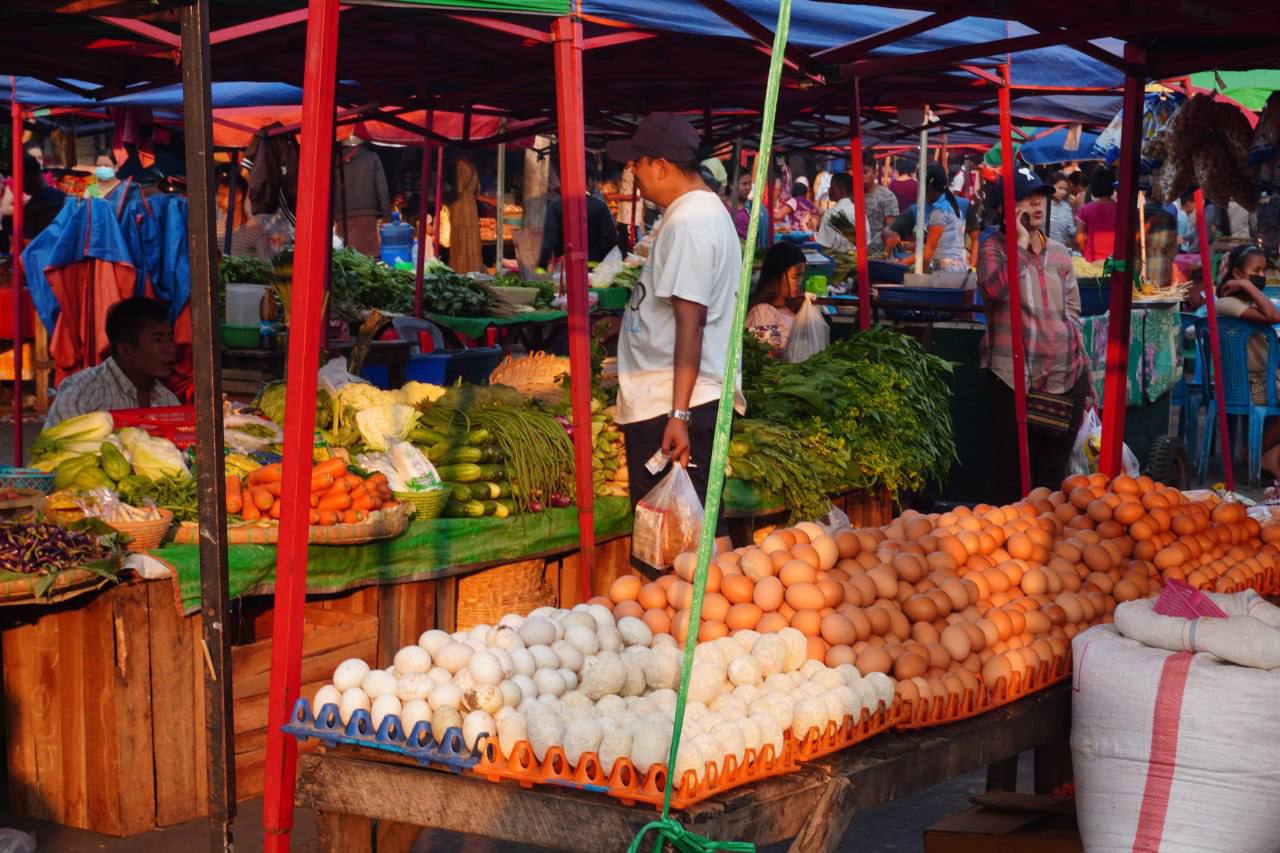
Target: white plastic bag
{"points": [[834, 520], [1084, 454], [333, 375], [668, 520], [810, 333], [607, 269]]}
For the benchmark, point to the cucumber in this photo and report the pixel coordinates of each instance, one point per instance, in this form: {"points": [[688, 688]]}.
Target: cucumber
{"points": [[470, 509], [504, 490], [437, 451], [495, 509], [427, 436], [484, 491], [459, 492], [463, 473], [491, 453], [458, 455], [496, 473], [507, 504], [478, 437]]}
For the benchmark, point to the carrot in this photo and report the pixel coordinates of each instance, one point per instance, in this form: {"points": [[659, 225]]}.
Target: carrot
{"points": [[377, 478], [275, 510], [250, 512], [321, 482], [272, 489], [390, 505], [315, 517], [328, 516], [339, 485], [262, 499], [334, 467], [338, 501], [266, 474], [352, 480], [358, 490], [315, 500], [363, 503], [235, 500], [353, 516]]}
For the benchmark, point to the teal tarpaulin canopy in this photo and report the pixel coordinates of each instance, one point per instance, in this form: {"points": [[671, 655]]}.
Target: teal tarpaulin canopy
{"points": [[1249, 88]]}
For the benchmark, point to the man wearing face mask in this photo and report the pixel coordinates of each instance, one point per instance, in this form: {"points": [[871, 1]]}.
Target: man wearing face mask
{"points": [[676, 329]]}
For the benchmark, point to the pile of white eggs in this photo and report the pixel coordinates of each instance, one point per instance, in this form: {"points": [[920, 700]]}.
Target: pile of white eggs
{"points": [[578, 680]]}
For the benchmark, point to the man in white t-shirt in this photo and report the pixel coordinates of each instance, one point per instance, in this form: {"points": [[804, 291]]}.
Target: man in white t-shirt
{"points": [[678, 324], [828, 236]]}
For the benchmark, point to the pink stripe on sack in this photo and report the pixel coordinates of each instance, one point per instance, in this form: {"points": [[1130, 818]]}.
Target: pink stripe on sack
{"points": [[1164, 752]]}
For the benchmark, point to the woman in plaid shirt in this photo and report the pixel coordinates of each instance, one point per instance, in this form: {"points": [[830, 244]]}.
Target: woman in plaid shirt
{"points": [[1055, 360]]}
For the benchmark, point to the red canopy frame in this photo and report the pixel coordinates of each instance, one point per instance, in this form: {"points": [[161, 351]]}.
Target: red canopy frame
{"points": [[19, 280]]}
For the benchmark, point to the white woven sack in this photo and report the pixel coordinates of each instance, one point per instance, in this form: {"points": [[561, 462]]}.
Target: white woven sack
{"points": [[1173, 752], [1249, 636]]}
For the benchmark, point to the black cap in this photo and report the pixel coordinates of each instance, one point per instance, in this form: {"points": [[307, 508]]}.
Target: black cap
{"points": [[662, 135], [1025, 183]]}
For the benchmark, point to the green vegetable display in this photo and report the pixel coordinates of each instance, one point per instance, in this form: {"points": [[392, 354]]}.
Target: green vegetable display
{"points": [[868, 412], [176, 494], [239, 269], [360, 283]]}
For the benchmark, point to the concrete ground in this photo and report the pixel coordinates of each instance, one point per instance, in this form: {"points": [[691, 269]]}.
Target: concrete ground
{"points": [[895, 827]]}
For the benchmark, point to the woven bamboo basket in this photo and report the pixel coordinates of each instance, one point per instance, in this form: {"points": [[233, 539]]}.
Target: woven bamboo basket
{"points": [[145, 535], [536, 375], [487, 596], [426, 505]]}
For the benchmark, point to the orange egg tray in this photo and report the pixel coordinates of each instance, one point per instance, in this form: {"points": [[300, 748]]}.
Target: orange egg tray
{"points": [[626, 783], [835, 738], [941, 711]]}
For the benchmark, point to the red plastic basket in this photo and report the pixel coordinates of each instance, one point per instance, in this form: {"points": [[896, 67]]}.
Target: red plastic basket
{"points": [[176, 423]]}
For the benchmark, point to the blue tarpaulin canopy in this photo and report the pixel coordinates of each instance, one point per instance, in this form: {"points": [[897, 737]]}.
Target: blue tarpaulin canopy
{"points": [[38, 93]]}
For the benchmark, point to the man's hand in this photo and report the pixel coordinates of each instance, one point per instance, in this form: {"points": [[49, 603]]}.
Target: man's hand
{"points": [[675, 441]]}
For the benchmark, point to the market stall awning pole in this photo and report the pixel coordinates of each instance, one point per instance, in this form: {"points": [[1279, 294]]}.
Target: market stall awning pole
{"points": [[233, 178], [1215, 341], [15, 112], [922, 205], [734, 174], [500, 202], [439, 190], [860, 213], [566, 37], [420, 264], [1114, 395], [306, 337], [215, 596], [1011, 254]]}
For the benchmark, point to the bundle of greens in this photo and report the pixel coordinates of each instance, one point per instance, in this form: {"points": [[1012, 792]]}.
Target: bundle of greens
{"points": [[360, 283], [238, 269], [875, 404]]}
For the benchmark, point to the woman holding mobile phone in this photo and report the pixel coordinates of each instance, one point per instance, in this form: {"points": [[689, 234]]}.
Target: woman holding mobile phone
{"points": [[1056, 370]]}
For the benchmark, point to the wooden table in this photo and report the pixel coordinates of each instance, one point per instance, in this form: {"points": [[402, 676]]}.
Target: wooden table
{"points": [[358, 798]]}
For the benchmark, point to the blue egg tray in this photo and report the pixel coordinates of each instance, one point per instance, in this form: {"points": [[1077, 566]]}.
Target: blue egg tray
{"points": [[449, 752]]}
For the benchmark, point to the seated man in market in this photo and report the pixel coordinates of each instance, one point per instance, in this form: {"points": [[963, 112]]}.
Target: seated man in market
{"points": [[132, 377]]}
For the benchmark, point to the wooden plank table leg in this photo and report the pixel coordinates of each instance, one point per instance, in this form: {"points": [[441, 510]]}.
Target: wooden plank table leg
{"points": [[392, 837], [1052, 766], [1003, 775], [447, 604], [827, 823], [343, 833]]}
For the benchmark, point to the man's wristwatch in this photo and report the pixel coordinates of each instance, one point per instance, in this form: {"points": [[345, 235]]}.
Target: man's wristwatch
{"points": [[681, 415]]}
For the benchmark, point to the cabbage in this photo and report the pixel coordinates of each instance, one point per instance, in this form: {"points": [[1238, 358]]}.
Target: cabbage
{"points": [[412, 393], [129, 436], [380, 425], [155, 458], [81, 434]]}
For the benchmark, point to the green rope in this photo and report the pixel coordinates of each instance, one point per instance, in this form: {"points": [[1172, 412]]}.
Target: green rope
{"points": [[667, 828]]}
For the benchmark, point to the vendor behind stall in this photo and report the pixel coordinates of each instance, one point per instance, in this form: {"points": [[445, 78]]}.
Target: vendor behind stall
{"points": [[771, 314], [132, 377]]}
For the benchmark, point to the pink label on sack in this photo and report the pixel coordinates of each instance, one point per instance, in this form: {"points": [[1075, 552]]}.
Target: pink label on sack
{"points": [[1180, 598]]}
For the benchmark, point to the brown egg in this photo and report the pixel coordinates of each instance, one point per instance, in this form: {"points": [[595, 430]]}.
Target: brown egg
{"points": [[909, 665], [742, 616], [768, 594], [1004, 625], [924, 632], [1126, 590], [714, 607], [898, 624], [838, 630], [1037, 623], [875, 659], [680, 594], [1071, 606], [737, 588], [771, 623], [807, 622], [627, 608], [827, 550], [657, 620], [995, 670], [861, 624], [997, 581], [907, 691], [712, 631], [756, 564], [805, 596], [879, 618], [885, 580], [838, 655], [957, 592], [651, 596], [939, 657], [957, 642], [909, 567], [806, 553], [920, 608], [989, 631], [832, 592], [940, 600], [797, 571], [847, 543], [625, 588], [777, 541], [1035, 582], [684, 565]]}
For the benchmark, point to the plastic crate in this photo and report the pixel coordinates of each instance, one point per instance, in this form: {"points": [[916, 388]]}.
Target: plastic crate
{"points": [[442, 367], [26, 478], [932, 295], [176, 423], [1095, 296], [449, 751]]}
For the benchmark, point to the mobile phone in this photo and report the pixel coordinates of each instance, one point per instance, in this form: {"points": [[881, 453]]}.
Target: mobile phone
{"points": [[1026, 220]]}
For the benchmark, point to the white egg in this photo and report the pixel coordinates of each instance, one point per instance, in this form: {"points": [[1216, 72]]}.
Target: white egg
{"points": [[433, 640], [746, 639], [465, 680], [544, 657], [377, 682], [505, 661], [412, 659], [349, 674], [610, 639], [485, 668], [568, 655], [611, 705], [511, 620], [527, 688], [443, 719], [512, 728], [440, 675], [445, 696], [811, 667], [511, 693], [570, 678], [453, 656], [549, 682], [475, 725], [413, 712], [353, 699], [581, 638], [383, 706], [602, 615], [326, 695], [752, 734], [538, 632], [634, 631], [663, 641], [413, 685], [731, 741], [544, 613], [579, 617], [480, 632], [483, 697]]}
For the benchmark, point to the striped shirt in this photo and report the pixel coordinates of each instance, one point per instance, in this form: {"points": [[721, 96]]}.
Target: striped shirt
{"points": [[1050, 316]]}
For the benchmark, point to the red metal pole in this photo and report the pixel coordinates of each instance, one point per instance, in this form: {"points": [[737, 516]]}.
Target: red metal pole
{"points": [[1110, 459], [566, 37], [15, 110], [420, 265], [439, 191], [1215, 342], [1015, 282], [306, 337], [860, 214]]}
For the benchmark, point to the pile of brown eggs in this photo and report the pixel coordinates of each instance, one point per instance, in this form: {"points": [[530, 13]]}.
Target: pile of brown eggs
{"points": [[942, 600]]}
